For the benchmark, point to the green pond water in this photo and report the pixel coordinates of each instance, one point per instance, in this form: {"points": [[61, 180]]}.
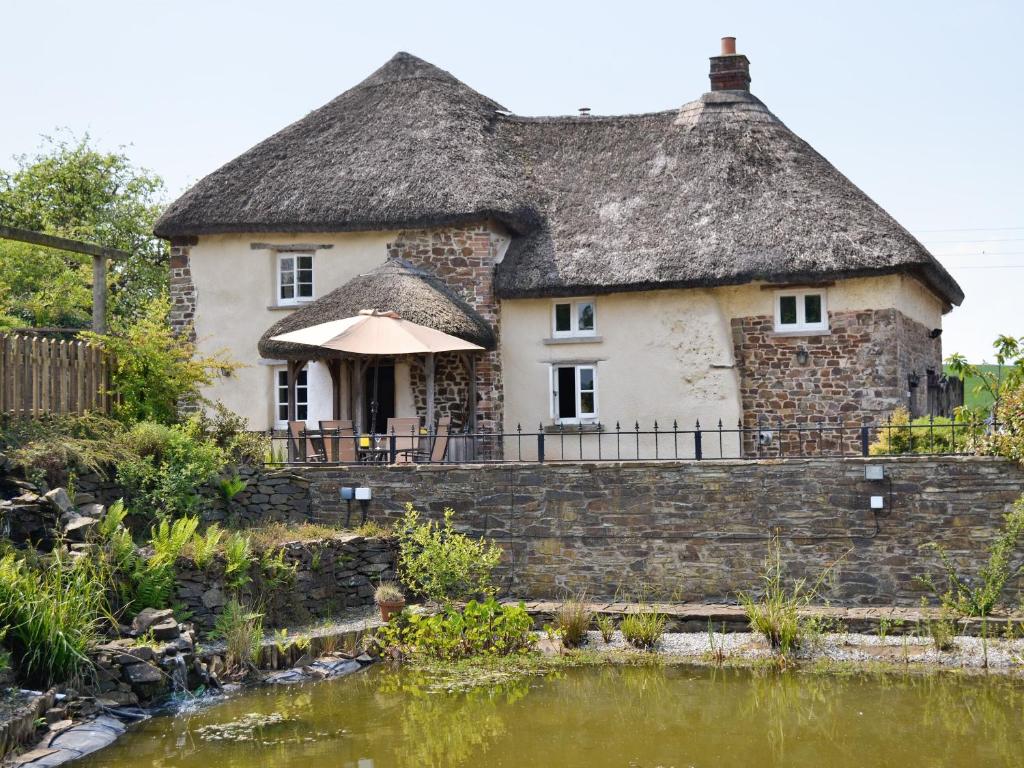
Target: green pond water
{"points": [[608, 716]]}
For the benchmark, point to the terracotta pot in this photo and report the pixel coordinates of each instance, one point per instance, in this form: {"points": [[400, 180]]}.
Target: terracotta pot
{"points": [[387, 610]]}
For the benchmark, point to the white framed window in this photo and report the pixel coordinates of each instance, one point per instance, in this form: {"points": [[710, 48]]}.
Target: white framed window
{"points": [[798, 311], [573, 318], [294, 278], [281, 397], [573, 393]]}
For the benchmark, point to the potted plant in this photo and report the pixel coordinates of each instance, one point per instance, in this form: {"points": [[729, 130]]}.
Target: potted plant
{"points": [[389, 598]]}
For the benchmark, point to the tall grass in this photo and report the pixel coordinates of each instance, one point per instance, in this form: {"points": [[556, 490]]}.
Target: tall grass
{"points": [[643, 629], [573, 619], [241, 629], [53, 615]]}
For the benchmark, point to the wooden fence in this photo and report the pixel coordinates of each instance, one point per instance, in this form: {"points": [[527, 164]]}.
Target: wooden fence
{"points": [[39, 376]]}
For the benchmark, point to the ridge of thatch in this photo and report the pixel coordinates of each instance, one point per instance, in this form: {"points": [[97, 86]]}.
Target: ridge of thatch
{"points": [[395, 286], [718, 192]]}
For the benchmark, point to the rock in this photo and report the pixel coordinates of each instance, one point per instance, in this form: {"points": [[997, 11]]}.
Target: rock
{"points": [[135, 655], [83, 499], [143, 674], [165, 630], [147, 617], [92, 510], [303, 661], [213, 598], [79, 527], [56, 714], [58, 498], [182, 644], [364, 658], [118, 699]]}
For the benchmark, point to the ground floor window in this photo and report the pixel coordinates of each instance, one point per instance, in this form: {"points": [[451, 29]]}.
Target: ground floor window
{"points": [[281, 396], [574, 393]]}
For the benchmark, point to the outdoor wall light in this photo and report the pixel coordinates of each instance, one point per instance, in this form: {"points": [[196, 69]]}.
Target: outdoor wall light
{"points": [[874, 472], [877, 502], [913, 379], [802, 356], [363, 494], [347, 494]]}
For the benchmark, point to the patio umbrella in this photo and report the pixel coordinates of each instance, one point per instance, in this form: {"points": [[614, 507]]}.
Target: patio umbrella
{"points": [[377, 334]]}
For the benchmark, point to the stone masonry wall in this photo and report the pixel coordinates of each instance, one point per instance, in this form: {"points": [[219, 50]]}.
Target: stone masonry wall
{"points": [[183, 290], [331, 575], [463, 257], [855, 374], [700, 530]]}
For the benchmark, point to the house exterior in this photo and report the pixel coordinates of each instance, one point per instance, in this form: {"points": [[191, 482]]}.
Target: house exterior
{"points": [[701, 263]]}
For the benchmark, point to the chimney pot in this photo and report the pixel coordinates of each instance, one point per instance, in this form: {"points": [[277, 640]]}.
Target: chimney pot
{"points": [[730, 71]]}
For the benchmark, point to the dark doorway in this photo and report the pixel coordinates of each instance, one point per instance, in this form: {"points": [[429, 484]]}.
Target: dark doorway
{"points": [[385, 396]]}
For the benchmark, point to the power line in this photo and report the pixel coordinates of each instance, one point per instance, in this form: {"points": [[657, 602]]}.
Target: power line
{"points": [[989, 266], [981, 253], [998, 240], [973, 229]]}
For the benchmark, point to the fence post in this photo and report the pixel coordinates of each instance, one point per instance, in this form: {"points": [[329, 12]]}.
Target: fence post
{"points": [[540, 443], [392, 447], [698, 448], [864, 440]]}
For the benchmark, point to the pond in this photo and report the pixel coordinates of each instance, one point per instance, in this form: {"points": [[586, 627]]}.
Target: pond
{"points": [[604, 716]]}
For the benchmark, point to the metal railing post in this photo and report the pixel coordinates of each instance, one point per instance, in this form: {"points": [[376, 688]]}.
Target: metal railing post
{"points": [[540, 443], [392, 447], [698, 449]]}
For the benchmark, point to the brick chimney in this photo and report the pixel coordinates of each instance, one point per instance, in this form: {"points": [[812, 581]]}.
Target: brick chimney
{"points": [[730, 71]]}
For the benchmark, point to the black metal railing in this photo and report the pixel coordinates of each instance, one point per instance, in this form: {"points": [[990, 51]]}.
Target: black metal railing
{"points": [[756, 439]]}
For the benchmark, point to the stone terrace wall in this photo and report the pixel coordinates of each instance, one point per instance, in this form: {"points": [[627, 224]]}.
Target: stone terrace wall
{"points": [[700, 530], [331, 575]]}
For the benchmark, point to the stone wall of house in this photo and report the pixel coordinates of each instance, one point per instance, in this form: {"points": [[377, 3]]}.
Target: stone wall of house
{"points": [[330, 576], [856, 373], [183, 290], [463, 257], [700, 530]]}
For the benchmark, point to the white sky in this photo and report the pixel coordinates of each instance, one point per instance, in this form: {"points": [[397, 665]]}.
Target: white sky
{"points": [[919, 103]]}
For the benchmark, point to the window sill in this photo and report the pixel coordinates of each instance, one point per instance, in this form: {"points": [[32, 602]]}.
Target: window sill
{"points": [[807, 332], [572, 429], [574, 340], [286, 307]]}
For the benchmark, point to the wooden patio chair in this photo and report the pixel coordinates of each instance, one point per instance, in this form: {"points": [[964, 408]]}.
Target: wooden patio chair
{"points": [[407, 436], [339, 440], [435, 452], [304, 446]]}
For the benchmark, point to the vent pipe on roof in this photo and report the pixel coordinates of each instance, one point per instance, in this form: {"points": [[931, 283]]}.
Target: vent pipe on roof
{"points": [[730, 71]]}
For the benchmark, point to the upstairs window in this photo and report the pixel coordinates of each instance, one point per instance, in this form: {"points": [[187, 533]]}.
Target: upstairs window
{"points": [[281, 397], [573, 318], [294, 278], [800, 311], [573, 393]]}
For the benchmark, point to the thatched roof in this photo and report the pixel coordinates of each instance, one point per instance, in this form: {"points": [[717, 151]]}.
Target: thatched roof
{"points": [[718, 192], [409, 146], [395, 286]]}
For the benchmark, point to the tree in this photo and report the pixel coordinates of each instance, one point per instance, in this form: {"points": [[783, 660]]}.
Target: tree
{"points": [[72, 189], [1008, 375]]}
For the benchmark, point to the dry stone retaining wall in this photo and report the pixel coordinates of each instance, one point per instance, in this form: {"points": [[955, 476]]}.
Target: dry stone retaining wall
{"points": [[700, 530], [330, 576]]}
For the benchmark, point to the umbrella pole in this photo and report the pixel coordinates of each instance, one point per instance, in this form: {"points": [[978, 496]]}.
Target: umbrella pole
{"points": [[429, 370], [373, 401]]}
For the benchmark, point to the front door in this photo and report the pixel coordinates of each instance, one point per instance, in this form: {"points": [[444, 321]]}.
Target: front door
{"points": [[385, 376]]}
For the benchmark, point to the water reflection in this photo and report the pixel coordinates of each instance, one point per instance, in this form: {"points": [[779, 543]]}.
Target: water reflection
{"points": [[609, 716]]}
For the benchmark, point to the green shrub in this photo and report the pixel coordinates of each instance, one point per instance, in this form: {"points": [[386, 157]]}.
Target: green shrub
{"points": [[153, 576], [441, 564], [572, 619], [980, 596], [53, 616], [241, 629], [155, 369], [229, 432], [643, 629], [923, 435], [1008, 438], [163, 482], [481, 628], [231, 487], [51, 447]]}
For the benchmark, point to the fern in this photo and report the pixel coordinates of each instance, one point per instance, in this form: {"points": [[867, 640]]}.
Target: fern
{"points": [[233, 486], [205, 546], [168, 539], [112, 521], [238, 556]]}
